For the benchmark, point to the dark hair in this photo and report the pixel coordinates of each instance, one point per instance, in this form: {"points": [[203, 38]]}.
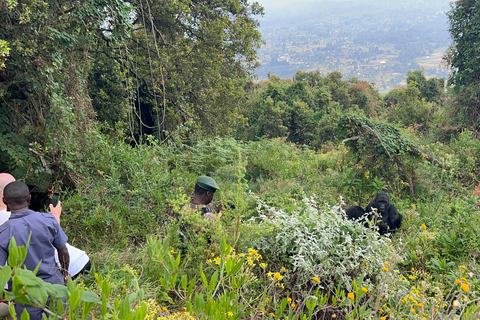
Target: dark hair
{"points": [[199, 190], [16, 193]]}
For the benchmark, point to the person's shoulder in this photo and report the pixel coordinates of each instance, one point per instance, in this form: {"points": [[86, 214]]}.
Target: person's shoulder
{"points": [[46, 218]]}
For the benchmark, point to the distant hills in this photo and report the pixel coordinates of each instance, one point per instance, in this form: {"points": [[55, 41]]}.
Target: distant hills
{"points": [[377, 41]]}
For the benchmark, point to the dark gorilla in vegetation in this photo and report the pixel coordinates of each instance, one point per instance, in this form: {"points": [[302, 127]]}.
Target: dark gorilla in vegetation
{"points": [[355, 212], [390, 218], [39, 200]]}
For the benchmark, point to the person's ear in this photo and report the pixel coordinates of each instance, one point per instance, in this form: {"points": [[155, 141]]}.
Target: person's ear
{"points": [[29, 198], [3, 199]]}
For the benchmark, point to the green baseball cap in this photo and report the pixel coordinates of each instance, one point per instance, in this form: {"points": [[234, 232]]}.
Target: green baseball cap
{"points": [[207, 183]]}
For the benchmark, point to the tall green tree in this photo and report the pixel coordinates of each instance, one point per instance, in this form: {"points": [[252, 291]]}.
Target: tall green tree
{"points": [[141, 67], [463, 57], [188, 64], [45, 109]]}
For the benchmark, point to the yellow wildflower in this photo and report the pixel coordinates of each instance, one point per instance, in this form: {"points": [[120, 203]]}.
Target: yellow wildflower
{"points": [[465, 287], [272, 314], [350, 295], [229, 313], [164, 309], [263, 265], [277, 276], [411, 298], [457, 281], [464, 279], [217, 260], [413, 269], [268, 299], [435, 310], [463, 267], [456, 304], [293, 305], [252, 251], [387, 264], [383, 318], [284, 269], [316, 279], [385, 269], [364, 289], [420, 305], [412, 310], [424, 226], [289, 299]]}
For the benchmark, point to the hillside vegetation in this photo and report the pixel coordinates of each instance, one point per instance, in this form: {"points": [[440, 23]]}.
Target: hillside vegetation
{"points": [[122, 105]]}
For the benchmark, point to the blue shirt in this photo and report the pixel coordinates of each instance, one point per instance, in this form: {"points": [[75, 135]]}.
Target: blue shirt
{"points": [[47, 236]]}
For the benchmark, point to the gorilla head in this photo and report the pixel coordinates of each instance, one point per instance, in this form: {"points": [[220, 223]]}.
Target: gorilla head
{"points": [[382, 202]]}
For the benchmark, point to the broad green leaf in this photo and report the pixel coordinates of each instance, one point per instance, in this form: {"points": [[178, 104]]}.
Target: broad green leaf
{"points": [[89, 296], [38, 293], [5, 275], [213, 281]]}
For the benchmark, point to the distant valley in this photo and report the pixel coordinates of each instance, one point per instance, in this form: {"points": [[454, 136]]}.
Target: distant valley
{"points": [[377, 41]]}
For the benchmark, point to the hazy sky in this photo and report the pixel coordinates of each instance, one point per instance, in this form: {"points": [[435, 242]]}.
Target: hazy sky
{"points": [[275, 6]]}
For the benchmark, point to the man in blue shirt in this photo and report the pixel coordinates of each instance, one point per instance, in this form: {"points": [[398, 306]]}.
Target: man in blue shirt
{"points": [[46, 237]]}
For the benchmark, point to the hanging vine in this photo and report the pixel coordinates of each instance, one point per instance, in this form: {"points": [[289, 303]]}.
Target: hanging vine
{"points": [[383, 143]]}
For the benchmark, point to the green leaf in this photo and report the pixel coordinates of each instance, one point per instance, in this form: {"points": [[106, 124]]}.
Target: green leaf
{"points": [[28, 278], [213, 281], [132, 296], [177, 261], [183, 282], [56, 290], [237, 267], [89, 296], [202, 275], [38, 293], [25, 315], [74, 298], [87, 307], [5, 275], [228, 265]]}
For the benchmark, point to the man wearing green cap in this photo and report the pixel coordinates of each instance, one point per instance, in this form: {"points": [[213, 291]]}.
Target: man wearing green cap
{"points": [[205, 188]]}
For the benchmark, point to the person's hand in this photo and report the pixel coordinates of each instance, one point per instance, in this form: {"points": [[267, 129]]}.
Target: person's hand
{"points": [[56, 211]]}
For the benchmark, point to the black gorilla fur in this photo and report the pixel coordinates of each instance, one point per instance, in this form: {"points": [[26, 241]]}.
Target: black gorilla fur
{"points": [[390, 218], [355, 212], [39, 200]]}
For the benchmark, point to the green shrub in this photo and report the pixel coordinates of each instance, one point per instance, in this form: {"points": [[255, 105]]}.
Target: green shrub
{"points": [[313, 242]]}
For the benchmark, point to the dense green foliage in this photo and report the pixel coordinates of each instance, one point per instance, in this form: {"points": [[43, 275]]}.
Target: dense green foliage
{"points": [[463, 57]]}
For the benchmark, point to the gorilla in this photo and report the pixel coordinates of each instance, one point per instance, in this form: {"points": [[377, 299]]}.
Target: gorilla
{"points": [[390, 218], [355, 213], [39, 200]]}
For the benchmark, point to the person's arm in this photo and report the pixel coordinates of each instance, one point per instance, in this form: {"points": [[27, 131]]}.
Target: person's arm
{"points": [[64, 259], [56, 211]]}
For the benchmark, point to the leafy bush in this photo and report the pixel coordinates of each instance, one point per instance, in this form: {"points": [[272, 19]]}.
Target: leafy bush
{"points": [[320, 243]]}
